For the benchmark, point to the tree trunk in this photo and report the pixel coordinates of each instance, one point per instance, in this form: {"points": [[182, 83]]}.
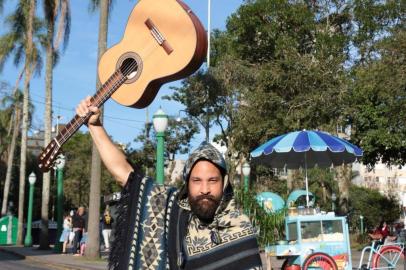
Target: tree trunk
{"points": [[46, 182], [344, 179], [289, 180], [25, 119], [93, 247], [324, 190], [10, 160], [207, 130], [15, 125]]}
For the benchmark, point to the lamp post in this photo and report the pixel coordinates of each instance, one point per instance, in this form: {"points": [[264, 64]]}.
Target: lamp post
{"points": [[333, 202], [246, 169], [28, 238], [160, 121], [60, 164], [361, 218]]}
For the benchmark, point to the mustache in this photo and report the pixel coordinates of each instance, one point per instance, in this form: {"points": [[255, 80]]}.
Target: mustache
{"points": [[208, 197]]}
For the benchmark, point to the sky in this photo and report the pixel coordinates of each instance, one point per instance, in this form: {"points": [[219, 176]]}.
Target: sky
{"points": [[75, 74]]}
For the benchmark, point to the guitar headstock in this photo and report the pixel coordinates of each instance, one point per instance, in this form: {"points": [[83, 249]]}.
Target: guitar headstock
{"points": [[47, 158]]}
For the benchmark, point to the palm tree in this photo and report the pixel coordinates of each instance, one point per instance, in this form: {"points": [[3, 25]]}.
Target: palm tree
{"points": [[15, 105], [53, 9], [29, 53], [20, 42], [92, 247]]}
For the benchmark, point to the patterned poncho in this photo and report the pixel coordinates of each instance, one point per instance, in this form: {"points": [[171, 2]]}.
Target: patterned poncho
{"points": [[157, 229]]}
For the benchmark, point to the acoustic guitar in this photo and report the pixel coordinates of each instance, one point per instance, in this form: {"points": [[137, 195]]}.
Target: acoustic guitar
{"points": [[163, 41]]}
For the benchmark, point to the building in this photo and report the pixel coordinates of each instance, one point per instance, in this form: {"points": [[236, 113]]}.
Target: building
{"points": [[35, 142], [388, 180]]}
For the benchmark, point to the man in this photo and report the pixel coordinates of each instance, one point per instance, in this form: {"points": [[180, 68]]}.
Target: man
{"points": [[158, 227], [78, 228]]}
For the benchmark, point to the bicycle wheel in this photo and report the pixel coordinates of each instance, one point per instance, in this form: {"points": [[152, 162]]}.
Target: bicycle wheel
{"points": [[390, 253], [319, 260]]}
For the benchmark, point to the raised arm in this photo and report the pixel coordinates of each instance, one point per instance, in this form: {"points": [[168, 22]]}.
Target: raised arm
{"points": [[113, 157]]}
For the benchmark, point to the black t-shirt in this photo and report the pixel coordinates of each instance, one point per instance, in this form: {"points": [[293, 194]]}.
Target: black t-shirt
{"points": [[78, 221]]}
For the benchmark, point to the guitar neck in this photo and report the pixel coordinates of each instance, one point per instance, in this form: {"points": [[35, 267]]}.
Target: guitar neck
{"points": [[101, 96]]}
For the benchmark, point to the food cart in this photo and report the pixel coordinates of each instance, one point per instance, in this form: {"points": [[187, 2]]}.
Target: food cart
{"points": [[314, 241]]}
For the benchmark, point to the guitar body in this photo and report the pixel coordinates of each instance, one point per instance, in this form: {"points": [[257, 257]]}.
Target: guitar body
{"points": [[163, 41], [181, 53]]}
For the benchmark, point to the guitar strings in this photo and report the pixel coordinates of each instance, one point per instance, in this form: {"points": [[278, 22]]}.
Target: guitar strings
{"points": [[78, 121]]}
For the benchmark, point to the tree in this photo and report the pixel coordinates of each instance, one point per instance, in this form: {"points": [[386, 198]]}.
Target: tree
{"points": [[199, 94], [53, 9], [383, 208], [377, 104], [296, 54], [92, 249], [22, 41], [76, 184], [15, 106], [212, 97], [178, 136], [24, 129], [177, 141]]}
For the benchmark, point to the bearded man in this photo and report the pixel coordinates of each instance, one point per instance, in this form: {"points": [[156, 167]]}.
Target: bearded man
{"points": [[160, 227]]}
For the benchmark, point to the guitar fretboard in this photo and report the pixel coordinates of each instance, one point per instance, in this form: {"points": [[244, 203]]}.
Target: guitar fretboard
{"points": [[104, 93]]}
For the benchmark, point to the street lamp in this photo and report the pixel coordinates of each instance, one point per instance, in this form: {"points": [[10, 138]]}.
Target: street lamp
{"points": [[60, 164], [361, 224], [28, 238], [333, 201], [160, 121], [246, 169]]}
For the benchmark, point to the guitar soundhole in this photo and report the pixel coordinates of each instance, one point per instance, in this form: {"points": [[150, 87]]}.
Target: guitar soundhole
{"points": [[130, 65]]}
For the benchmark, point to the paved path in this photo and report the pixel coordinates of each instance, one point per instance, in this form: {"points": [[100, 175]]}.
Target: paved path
{"points": [[9, 261], [18, 257], [52, 260]]}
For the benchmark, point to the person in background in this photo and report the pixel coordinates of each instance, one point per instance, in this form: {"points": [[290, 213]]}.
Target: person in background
{"points": [[67, 228], [380, 233], [107, 220], [82, 245], [78, 225]]}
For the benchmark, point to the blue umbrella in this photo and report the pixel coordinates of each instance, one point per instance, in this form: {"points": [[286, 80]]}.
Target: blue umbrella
{"points": [[306, 149]]}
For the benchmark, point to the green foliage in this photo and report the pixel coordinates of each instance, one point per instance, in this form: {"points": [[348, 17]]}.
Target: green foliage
{"points": [[295, 53], [378, 103], [270, 226], [266, 180], [201, 94], [178, 136], [14, 41], [78, 151], [177, 141], [373, 206]]}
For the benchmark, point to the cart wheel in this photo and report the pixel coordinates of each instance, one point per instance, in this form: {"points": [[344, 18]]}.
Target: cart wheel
{"points": [[289, 264], [319, 260], [285, 264], [390, 253]]}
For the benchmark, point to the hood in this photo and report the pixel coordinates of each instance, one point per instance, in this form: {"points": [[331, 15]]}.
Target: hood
{"points": [[207, 151]]}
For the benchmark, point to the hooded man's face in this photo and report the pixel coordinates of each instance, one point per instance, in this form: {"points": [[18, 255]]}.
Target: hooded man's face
{"points": [[205, 190]]}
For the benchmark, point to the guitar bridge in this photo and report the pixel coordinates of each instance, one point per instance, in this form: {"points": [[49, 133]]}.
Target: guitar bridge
{"points": [[158, 36]]}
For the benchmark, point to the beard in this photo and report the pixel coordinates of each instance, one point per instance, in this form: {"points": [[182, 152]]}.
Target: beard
{"points": [[204, 206]]}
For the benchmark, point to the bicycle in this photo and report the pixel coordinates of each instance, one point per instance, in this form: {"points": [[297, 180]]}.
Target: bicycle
{"points": [[386, 256]]}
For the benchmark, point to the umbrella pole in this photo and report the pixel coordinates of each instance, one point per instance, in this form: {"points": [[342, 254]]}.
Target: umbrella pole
{"points": [[307, 185]]}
